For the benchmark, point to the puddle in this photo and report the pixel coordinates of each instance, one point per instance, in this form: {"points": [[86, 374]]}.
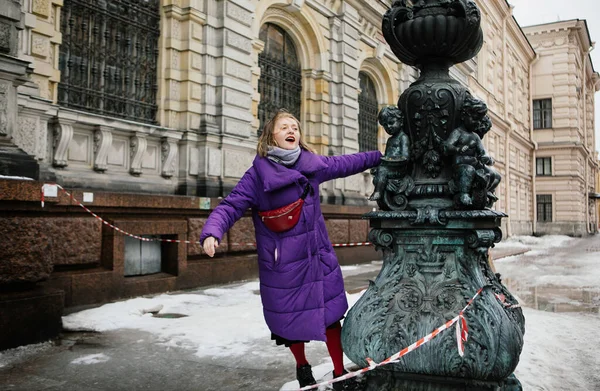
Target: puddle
{"points": [[552, 298], [168, 315]]}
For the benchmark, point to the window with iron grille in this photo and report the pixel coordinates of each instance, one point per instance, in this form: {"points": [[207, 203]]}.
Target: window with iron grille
{"points": [[280, 84], [108, 57], [544, 207], [542, 113], [367, 114], [543, 166]]}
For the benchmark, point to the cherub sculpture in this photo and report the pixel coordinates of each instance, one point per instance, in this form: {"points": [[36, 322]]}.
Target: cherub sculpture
{"points": [[473, 174], [397, 150]]}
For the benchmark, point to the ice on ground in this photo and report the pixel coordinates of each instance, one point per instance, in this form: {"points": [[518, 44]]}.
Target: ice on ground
{"points": [[20, 354], [218, 323], [534, 242], [560, 352], [91, 359], [353, 270], [554, 261], [17, 178]]}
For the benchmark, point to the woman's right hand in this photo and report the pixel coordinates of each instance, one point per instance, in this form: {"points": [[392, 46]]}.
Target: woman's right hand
{"points": [[210, 245]]}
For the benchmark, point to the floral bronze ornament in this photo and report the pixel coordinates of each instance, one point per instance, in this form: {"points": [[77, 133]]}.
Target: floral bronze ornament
{"points": [[435, 187]]}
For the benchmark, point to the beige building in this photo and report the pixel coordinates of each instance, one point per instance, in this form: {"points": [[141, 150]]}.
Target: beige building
{"points": [[167, 96], [564, 84], [502, 79]]}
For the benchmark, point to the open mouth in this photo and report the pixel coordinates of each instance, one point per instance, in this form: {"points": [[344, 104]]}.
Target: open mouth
{"points": [[290, 139]]}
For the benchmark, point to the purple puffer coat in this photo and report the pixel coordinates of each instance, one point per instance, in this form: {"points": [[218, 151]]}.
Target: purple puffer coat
{"points": [[301, 283]]}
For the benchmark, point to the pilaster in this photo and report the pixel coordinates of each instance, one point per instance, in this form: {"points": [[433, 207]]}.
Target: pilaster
{"points": [[40, 43]]}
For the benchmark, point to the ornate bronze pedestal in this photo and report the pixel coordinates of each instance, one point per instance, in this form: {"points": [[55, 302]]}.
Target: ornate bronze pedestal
{"points": [[434, 188]]}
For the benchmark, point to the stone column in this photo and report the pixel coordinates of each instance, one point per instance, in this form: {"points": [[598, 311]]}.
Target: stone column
{"points": [[208, 91], [343, 137], [13, 72]]}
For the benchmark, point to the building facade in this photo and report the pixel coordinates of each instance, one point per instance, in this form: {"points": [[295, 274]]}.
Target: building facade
{"points": [[173, 102], [564, 84], [502, 79]]}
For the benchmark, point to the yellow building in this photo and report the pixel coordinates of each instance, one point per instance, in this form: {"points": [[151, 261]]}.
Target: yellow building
{"points": [[564, 84]]}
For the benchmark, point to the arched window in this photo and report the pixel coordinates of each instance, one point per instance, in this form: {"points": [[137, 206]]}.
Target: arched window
{"points": [[367, 114], [108, 57], [280, 84]]}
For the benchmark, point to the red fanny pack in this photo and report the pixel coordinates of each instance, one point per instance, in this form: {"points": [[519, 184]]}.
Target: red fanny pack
{"points": [[284, 218]]}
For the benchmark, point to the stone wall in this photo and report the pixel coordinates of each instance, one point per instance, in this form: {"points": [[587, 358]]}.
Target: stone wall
{"points": [[569, 228]]}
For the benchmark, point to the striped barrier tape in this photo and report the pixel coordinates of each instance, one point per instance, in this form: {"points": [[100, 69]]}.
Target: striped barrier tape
{"points": [[462, 335], [168, 240]]}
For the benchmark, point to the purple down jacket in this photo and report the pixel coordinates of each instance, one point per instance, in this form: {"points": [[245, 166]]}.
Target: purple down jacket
{"points": [[301, 283]]}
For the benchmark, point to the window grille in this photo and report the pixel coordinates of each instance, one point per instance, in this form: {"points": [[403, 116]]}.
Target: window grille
{"points": [[544, 207], [542, 113], [543, 166], [280, 84], [367, 114], [108, 57]]}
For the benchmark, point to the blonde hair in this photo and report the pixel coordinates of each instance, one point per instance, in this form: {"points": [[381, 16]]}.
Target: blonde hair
{"points": [[266, 138]]}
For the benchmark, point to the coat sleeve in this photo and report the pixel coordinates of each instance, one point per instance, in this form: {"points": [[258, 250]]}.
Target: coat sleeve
{"points": [[346, 165], [231, 209]]}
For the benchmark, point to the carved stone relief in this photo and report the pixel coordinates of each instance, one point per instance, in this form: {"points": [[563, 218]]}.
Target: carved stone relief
{"points": [[27, 136], [238, 42], [41, 7], [238, 13], [102, 145], [4, 96], [236, 163], [138, 144], [168, 156], [62, 136]]}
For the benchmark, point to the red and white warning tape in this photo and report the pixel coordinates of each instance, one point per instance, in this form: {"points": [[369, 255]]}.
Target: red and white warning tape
{"points": [[462, 335], [170, 240]]}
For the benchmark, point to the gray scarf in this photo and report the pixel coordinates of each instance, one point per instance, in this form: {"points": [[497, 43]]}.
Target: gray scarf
{"points": [[287, 157]]}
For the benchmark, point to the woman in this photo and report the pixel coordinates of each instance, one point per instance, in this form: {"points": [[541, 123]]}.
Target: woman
{"points": [[301, 284]]}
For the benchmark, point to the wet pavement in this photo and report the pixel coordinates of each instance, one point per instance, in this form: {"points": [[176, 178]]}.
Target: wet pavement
{"points": [[562, 279]]}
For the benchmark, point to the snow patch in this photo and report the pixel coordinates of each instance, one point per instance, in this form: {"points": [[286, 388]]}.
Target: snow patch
{"points": [[17, 178], [91, 359]]}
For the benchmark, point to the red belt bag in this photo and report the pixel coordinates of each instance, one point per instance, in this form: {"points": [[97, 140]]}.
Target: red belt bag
{"points": [[284, 218]]}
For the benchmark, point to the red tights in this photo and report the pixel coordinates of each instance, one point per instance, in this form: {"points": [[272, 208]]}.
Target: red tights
{"points": [[334, 346]]}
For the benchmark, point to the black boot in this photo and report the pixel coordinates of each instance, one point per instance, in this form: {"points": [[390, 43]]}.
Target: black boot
{"points": [[305, 376], [345, 385]]}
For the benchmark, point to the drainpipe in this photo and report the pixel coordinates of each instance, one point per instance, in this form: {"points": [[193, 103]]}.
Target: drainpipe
{"points": [[505, 117], [535, 144], [585, 132], [505, 65], [507, 166]]}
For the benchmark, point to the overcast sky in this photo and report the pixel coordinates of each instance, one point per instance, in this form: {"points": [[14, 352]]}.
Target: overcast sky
{"points": [[528, 12]]}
